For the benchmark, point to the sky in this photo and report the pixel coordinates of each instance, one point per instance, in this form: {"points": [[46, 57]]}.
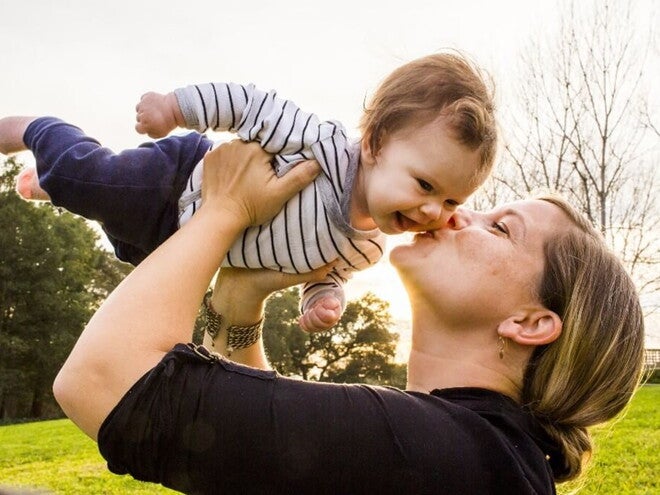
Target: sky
{"points": [[88, 61]]}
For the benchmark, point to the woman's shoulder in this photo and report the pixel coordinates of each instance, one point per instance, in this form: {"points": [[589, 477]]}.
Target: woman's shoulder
{"points": [[488, 431]]}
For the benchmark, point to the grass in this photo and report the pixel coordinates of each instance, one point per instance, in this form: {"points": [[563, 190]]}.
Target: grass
{"points": [[56, 456], [627, 452]]}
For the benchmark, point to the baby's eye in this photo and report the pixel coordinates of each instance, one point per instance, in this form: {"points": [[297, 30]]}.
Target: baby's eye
{"points": [[425, 185]]}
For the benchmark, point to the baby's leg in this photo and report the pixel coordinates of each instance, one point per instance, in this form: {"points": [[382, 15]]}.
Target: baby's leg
{"points": [[12, 130], [27, 185], [11, 133], [132, 194]]}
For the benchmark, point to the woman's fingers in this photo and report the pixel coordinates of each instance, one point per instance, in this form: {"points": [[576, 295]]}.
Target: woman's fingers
{"points": [[297, 178], [266, 281], [239, 180]]}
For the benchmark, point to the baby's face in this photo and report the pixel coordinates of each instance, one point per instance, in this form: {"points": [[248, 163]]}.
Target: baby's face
{"points": [[418, 178]]}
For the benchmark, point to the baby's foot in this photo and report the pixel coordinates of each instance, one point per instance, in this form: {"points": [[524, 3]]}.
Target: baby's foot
{"points": [[27, 186]]}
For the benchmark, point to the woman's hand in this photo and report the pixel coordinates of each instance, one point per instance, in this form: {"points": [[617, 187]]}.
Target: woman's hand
{"points": [[254, 286], [251, 193], [239, 296]]}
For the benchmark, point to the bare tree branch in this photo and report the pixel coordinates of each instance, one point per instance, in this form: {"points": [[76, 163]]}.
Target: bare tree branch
{"points": [[585, 128]]}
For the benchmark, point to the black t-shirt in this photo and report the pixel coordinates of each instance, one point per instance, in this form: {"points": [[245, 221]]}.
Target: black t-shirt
{"points": [[205, 425]]}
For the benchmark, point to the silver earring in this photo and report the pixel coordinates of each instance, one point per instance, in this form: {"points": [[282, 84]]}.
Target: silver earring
{"points": [[501, 346]]}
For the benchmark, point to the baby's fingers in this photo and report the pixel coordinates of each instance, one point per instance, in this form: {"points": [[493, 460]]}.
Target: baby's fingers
{"points": [[322, 316]]}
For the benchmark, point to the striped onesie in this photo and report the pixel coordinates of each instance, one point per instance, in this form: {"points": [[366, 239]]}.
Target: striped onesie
{"points": [[313, 229]]}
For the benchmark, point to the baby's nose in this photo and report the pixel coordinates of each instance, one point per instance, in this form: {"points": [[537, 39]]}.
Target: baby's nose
{"points": [[435, 217], [432, 211]]}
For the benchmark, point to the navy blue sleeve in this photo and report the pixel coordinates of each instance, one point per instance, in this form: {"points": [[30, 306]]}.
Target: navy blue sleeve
{"points": [[133, 194]]}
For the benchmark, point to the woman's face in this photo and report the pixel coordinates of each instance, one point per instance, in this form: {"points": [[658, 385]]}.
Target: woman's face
{"points": [[482, 267]]}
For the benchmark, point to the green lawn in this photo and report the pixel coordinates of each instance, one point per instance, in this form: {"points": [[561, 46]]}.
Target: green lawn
{"points": [[54, 455], [57, 456], [627, 454]]}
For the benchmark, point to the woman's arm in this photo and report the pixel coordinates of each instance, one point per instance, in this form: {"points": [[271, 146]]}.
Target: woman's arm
{"points": [[239, 295], [155, 307]]}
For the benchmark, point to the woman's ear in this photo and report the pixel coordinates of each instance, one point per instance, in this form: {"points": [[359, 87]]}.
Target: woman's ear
{"points": [[537, 327]]}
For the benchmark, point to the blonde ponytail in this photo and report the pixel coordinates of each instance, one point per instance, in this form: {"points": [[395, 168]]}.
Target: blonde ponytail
{"points": [[589, 374]]}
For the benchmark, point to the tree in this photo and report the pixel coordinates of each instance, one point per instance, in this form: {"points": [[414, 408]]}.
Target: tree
{"points": [[583, 130], [53, 275], [360, 348]]}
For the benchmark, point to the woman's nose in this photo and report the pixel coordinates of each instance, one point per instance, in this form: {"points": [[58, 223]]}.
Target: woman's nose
{"points": [[445, 216], [460, 218]]}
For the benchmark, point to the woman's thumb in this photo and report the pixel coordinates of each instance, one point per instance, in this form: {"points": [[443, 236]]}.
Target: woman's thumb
{"points": [[298, 177]]}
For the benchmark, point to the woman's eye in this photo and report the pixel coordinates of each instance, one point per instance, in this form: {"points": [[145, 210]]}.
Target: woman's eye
{"points": [[425, 185], [501, 227]]}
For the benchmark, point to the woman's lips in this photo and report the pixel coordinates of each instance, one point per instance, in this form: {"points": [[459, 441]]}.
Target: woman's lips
{"points": [[428, 234]]}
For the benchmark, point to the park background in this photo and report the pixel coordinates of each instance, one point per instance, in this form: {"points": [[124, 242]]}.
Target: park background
{"points": [[89, 61]]}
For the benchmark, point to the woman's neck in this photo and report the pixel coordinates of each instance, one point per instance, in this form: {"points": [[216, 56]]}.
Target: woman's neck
{"points": [[440, 361]]}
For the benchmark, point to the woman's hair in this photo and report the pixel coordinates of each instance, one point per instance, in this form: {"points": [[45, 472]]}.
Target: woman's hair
{"points": [[589, 374], [419, 92]]}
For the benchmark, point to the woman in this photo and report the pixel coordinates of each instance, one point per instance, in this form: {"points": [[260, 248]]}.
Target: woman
{"points": [[518, 346]]}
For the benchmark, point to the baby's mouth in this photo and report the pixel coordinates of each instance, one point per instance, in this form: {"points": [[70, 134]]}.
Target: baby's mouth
{"points": [[404, 223]]}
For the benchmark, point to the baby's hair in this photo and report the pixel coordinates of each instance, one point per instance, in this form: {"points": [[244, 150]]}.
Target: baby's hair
{"points": [[445, 85], [589, 374]]}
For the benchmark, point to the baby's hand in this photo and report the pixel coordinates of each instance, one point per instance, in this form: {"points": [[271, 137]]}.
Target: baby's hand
{"points": [[323, 315], [157, 114]]}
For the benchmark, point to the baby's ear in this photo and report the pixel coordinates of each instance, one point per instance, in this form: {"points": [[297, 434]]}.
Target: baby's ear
{"points": [[366, 154]]}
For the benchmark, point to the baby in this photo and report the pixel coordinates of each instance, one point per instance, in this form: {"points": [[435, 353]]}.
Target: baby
{"points": [[428, 142]]}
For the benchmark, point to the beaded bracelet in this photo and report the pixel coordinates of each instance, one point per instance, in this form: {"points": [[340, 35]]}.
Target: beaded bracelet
{"points": [[238, 337]]}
